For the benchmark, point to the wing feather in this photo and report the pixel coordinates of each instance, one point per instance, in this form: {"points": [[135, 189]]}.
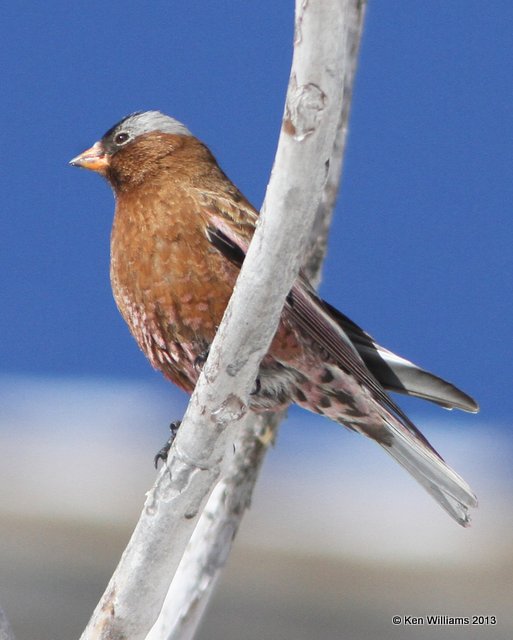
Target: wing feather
{"points": [[355, 352], [398, 374], [308, 311]]}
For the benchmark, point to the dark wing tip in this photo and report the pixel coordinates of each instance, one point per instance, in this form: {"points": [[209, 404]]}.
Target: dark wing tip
{"points": [[400, 375], [470, 404]]}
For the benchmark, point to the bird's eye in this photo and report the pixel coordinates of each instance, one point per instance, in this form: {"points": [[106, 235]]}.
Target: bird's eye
{"points": [[121, 138]]}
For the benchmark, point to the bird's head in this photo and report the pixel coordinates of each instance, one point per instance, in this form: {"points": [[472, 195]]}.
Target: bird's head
{"points": [[131, 148]]}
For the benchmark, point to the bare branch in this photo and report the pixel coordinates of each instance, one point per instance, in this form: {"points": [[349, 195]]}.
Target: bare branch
{"points": [[318, 237], [211, 542], [218, 407], [212, 539]]}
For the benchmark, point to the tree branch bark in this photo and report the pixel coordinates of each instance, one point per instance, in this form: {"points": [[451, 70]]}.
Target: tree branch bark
{"points": [[211, 542], [217, 413]]}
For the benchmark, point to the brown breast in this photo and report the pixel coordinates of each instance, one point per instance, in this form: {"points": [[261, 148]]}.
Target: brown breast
{"points": [[170, 284]]}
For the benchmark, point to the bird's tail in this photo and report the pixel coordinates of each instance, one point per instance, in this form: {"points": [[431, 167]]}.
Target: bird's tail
{"points": [[416, 455]]}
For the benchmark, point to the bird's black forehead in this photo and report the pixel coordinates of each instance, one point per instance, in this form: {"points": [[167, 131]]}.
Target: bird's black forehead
{"points": [[109, 133]]}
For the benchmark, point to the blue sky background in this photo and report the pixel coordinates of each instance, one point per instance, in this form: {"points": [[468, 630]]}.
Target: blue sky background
{"points": [[421, 247]]}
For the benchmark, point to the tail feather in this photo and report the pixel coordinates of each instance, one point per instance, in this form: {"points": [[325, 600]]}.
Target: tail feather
{"points": [[339, 398], [450, 490]]}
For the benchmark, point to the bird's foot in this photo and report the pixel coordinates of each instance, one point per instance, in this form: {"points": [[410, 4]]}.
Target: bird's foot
{"points": [[200, 360], [256, 389], [162, 454]]}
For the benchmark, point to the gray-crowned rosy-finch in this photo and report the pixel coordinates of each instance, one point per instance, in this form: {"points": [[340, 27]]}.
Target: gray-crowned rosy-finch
{"points": [[180, 234]]}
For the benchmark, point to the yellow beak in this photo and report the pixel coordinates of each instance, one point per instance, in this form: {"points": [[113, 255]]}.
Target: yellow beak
{"points": [[94, 159]]}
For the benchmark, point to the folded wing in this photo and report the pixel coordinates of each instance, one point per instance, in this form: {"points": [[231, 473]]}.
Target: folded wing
{"points": [[377, 368]]}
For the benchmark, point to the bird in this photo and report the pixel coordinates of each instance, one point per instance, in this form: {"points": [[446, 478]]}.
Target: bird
{"points": [[180, 234]]}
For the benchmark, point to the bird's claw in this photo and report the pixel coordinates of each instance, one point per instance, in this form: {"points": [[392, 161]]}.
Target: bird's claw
{"points": [[163, 453], [200, 360], [256, 389]]}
